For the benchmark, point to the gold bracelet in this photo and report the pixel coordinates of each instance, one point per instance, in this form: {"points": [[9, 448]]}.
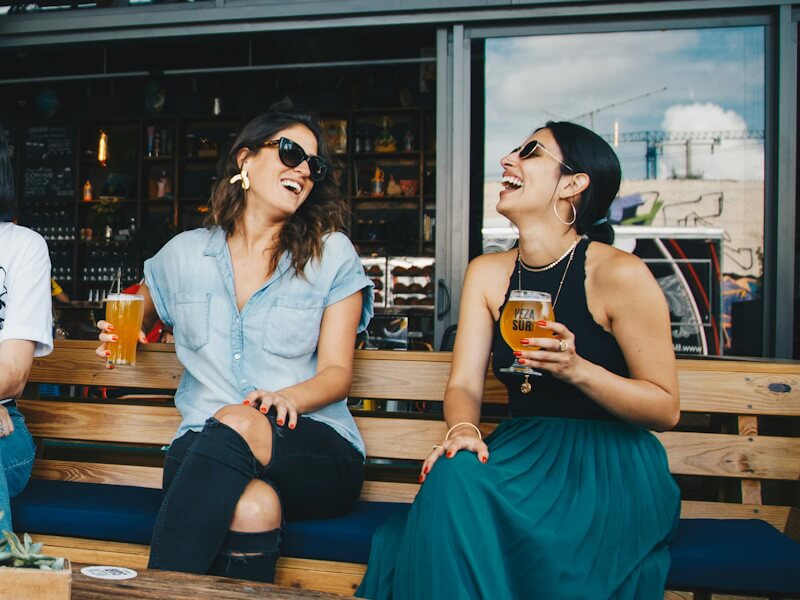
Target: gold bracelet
{"points": [[449, 431]]}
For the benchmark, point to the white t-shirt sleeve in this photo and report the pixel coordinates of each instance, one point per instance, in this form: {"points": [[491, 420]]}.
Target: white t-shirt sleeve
{"points": [[28, 305]]}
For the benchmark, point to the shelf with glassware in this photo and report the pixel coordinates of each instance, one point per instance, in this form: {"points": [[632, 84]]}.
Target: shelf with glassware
{"points": [[107, 205], [389, 154], [141, 180]]}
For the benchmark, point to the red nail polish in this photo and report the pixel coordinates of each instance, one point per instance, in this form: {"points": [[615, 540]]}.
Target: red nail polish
{"points": [[524, 342], [279, 422], [108, 352], [426, 470], [484, 459], [449, 455], [114, 338], [521, 361], [541, 323], [517, 353], [246, 402], [110, 328], [421, 478], [263, 410], [292, 425]]}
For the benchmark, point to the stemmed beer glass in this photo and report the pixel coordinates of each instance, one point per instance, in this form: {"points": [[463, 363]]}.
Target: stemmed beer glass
{"points": [[518, 321]]}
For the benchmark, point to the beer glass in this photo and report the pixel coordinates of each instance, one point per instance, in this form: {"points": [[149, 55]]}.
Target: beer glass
{"points": [[124, 312], [518, 321]]}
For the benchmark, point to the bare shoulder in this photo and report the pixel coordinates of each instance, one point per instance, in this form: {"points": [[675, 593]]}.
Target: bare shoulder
{"points": [[487, 278], [494, 265], [612, 268]]}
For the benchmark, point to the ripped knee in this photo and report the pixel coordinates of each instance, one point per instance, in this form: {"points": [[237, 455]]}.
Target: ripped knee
{"points": [[258, 509]]}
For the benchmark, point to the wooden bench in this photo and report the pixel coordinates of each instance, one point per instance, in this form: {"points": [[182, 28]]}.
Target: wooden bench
{"points": [[736, 392]]}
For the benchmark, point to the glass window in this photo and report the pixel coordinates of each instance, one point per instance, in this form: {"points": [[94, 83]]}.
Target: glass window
{"points": [[684, 110]]}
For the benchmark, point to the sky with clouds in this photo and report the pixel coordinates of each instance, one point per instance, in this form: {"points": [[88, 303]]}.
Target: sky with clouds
{"points": [[714, 80]]}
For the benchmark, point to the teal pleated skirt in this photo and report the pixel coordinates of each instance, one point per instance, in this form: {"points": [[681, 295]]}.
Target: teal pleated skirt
{"points": [[565, 508]]}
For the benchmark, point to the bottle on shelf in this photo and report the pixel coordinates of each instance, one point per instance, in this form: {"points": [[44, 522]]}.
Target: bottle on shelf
{"points": [[87, 191], [408, 142]]}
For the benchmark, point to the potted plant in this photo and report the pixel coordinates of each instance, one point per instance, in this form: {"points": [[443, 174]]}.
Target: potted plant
{"points": [[26, 573]]}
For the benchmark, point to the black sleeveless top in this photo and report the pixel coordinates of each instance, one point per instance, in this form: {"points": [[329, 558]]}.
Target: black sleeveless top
{"points": [[549, 396]]}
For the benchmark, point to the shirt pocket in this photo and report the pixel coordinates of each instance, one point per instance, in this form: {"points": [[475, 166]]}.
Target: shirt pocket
{"points": [[191, 318], [292, 327]]}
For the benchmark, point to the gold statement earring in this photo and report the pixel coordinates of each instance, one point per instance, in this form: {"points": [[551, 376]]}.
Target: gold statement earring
{"points": [[574, 214], [243, 178]]}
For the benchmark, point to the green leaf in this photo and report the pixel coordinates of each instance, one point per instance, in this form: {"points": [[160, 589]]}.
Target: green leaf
{"points": [[14, 544]]}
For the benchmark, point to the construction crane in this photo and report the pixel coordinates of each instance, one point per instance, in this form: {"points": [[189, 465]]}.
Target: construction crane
{"points": [[593, 112], [657, 139]]}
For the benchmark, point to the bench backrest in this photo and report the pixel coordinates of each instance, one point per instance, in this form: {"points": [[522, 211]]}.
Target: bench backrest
{"points": [[746, 389]]}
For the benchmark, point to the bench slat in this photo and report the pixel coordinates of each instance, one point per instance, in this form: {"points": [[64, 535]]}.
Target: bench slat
{"points": [[720, 455], [756, 457], [398, 379], [101, 422], [721, 386], [80, 366], [741, 392], [90, 472]]}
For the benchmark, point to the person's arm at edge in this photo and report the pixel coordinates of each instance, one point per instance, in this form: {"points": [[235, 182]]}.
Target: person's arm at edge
{"points": [[16, 358]]}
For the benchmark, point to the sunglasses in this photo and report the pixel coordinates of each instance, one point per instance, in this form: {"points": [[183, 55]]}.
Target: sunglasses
{"points": [[531, 147], [292, 154]]}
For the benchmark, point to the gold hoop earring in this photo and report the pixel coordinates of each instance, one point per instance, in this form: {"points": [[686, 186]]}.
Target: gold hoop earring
{"points": [[574, 214], [241, 177]]}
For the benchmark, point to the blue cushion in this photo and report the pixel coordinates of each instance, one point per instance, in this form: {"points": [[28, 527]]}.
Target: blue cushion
{"points": [[746, 556], [346, 538], [89, 510], [736, 555], [127, 514]]}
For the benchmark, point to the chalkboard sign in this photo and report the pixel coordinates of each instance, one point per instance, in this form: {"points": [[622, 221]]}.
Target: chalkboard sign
{"points": [[48, 143], [48, 183]]}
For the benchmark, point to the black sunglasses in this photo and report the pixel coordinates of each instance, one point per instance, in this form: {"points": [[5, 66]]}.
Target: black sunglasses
{"points": [[292, 154], [528, 150]]}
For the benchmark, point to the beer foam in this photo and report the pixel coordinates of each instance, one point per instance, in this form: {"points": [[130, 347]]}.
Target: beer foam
{"points": [[123, 297]]}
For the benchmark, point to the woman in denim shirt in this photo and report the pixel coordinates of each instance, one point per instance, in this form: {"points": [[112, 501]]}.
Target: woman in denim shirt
{"points": [[265, 305]]}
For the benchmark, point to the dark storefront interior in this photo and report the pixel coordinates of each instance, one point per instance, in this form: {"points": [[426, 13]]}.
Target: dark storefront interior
{"points": [[170, 108]]}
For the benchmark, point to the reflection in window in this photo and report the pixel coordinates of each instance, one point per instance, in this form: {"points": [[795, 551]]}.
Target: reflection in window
{"points": [[684, 110]]}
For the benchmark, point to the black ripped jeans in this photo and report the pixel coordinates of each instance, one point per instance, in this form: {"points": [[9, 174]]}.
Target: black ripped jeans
{"points": [[315, 472]]}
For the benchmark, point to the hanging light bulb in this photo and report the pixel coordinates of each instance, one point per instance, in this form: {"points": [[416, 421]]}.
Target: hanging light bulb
{"points": [[102, 148]]}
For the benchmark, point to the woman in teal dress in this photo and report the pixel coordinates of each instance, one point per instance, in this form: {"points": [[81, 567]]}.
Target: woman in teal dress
{"points": [[571, 497]]}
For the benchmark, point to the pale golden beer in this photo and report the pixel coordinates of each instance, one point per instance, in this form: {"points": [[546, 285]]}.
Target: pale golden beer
{"points": [[518, 321], [124, 312]]}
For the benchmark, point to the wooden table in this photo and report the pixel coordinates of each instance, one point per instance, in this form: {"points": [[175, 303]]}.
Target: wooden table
{"points": [[163, 585]]}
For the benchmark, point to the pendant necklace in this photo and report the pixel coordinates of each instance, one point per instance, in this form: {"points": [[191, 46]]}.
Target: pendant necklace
{"points": [[525, 387]]}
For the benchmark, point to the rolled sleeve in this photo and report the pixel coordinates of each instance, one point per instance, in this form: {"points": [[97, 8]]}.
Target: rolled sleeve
{"points": [[29, 312], [154, 278], [350, 278]]}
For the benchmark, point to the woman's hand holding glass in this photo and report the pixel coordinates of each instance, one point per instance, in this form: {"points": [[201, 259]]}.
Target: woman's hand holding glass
{"points": [[109, 336], [263, 400], [462, 439], [556, 354]]}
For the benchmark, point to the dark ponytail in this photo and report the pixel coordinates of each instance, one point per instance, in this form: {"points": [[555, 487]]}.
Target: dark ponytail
{"points": [[587, 152]]}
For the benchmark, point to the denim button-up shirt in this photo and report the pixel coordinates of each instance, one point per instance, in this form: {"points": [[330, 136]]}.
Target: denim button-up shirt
{"points": [[271, 344]]}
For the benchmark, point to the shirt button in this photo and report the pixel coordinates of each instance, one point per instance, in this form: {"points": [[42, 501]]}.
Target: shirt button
{"points": [[235, 319], [237, 356], [244, 381]]}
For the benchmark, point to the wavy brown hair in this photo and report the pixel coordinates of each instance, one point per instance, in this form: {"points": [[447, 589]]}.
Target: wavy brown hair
{"points": [[323, 212]]}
